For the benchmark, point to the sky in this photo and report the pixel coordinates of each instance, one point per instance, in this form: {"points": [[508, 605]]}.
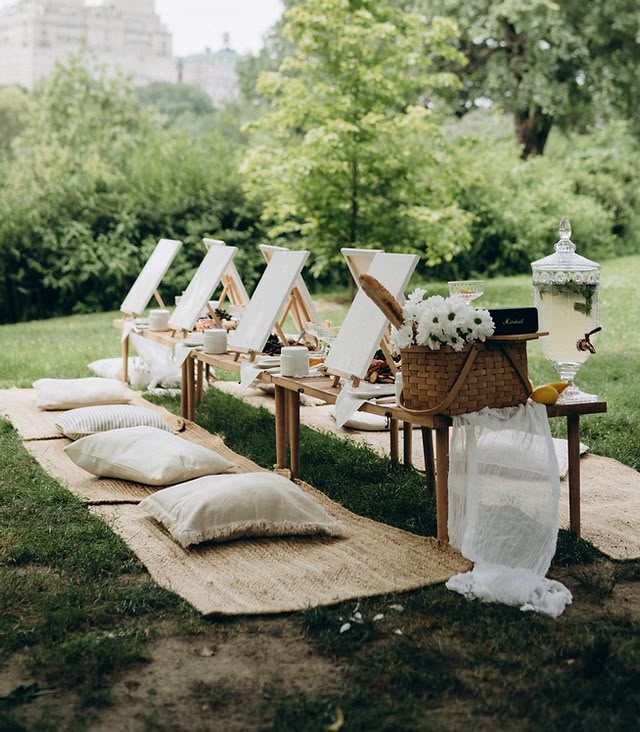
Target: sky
{"points": [[198, 24]]}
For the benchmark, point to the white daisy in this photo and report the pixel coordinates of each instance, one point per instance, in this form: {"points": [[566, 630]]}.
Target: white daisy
{"points": [[402, 337]]}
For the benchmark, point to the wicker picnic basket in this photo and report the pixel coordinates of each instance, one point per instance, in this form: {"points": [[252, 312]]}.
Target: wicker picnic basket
{"points": [[489, 374]]}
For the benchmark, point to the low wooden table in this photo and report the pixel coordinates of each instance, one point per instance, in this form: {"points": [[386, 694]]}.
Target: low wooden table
{"points": [[288, 392], [165, 338], [287, 403]]}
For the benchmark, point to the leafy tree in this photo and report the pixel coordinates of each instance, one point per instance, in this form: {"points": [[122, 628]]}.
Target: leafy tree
{"points": [[175, 100], [548, 63], [349, 153], [14, 110]]}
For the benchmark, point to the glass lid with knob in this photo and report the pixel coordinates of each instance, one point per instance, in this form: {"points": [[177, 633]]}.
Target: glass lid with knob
{"points": [[566, 289]]}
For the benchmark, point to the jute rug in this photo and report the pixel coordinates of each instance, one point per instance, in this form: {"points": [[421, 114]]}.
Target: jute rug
{"points": [[248, 576], [610, 491], [261, 576]]}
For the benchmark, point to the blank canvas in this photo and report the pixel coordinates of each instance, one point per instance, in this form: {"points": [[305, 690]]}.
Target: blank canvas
{"points": [[203, 284], [267, 301], [364, 326], [150, 276], [300, 285], [232, 273]]}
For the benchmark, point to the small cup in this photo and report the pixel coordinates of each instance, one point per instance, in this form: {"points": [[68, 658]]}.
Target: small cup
{"points": [[294, 361], [215, 341], [158, 319]]}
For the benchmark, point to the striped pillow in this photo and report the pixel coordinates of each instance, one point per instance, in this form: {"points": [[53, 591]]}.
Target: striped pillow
{"points": [[83, 421]]}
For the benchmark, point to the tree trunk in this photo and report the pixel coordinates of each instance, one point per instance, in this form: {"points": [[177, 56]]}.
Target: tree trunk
{"points": [[532, 130]]}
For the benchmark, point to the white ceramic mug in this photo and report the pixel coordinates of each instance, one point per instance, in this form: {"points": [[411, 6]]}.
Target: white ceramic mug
{"points": [[294, 361], [215, 340], [159, 319]]}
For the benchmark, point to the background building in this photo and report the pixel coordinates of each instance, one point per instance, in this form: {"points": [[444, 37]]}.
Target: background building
{"points": [[124, 34], [213, 71]]}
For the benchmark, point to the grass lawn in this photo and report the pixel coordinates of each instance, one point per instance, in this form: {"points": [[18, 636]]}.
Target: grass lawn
{"points": [[88, 641]]}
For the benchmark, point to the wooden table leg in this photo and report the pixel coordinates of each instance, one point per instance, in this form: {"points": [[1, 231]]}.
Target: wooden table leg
{"points": [[442, 482], [281, 427], [293, 425], [393, 439], [184, 390], [125, 360], [429, 465], [189, 388], [199, 380], [573, 449], [407, 444]]}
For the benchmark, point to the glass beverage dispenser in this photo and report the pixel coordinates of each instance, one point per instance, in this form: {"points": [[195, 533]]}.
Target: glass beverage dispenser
{"points": [[566, 292]]}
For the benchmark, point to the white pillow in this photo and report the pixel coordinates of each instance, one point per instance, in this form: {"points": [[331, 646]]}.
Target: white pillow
{"points": [[70, 393], [83, 421], [145, 454], [223, 507], [366, 422]]}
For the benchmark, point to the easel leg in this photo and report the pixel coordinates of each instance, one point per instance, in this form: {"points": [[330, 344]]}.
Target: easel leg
{"points": [[573, 449], [407, 444], [281, 427], [442, 482], [429, 466], [293, 424]]}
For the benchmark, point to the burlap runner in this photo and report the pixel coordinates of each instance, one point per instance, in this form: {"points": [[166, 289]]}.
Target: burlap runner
{"points": [[258, 576]]}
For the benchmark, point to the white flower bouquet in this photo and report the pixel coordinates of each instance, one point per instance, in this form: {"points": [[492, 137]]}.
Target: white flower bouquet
{"points": [[438, 321]]}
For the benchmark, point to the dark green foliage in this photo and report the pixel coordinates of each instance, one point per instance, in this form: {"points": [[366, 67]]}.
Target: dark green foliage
{"points": [[593, 179], [95, 181], [174, 100]]}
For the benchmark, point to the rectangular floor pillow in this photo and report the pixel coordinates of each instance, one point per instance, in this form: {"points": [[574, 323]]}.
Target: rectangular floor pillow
{"points": [[146, 455], [83, 421], [72, 393], [223, 507]]}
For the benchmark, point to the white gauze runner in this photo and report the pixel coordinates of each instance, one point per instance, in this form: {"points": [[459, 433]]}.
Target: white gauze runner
{"points": [[504, 491]]}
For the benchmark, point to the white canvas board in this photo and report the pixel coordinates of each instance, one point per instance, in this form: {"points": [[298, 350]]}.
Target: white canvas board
{"points": [[203, 284], [359, 260], [232, 274], [300, 285], [365, 324], [267, 301], [150, 276]]}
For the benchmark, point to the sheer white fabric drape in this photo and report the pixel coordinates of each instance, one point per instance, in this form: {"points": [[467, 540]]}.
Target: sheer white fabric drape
{"points": [[504, 491]]}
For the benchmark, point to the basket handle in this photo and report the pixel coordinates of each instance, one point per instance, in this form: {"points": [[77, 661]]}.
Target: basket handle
{"points": [[453, 393], [521, 374]]}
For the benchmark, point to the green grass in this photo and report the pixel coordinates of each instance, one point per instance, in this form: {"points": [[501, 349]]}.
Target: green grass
{"points": [[79, 610]]}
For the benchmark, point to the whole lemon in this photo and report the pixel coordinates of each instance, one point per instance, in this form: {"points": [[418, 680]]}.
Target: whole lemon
{"points": [[545, 394]]}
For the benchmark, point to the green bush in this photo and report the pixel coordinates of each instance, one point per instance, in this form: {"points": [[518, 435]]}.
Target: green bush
{"points": [[95, 180], [517, 205]]}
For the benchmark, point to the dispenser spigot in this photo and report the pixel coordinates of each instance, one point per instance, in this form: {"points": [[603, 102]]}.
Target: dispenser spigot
{"points": [[584, 344]]}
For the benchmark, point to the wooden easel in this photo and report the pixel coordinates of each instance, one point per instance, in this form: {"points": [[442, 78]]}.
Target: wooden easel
{"points": [[203, 284], [145, 287], [232, 285], [358, 262], [363, 329], [262, 316], [299, 303]]}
